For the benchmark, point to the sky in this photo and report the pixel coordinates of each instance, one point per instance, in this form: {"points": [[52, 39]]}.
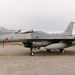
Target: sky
{"points": [[45, 15]]}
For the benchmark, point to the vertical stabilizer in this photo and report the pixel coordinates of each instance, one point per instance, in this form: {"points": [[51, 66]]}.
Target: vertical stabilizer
{"points": [[69, 29]]}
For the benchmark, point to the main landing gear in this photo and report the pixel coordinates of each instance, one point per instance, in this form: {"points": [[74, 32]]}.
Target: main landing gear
{"points": [[62, 51]]}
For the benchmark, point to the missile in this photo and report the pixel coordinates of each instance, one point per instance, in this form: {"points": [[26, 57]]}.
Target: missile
{"points": [[57, 46]]}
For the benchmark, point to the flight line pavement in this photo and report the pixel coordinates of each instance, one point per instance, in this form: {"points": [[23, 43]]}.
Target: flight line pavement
{"points": [[15, 60]]}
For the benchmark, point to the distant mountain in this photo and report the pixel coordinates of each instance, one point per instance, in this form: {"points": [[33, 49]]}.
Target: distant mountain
{"points": [[2, 28], [4, 31]]}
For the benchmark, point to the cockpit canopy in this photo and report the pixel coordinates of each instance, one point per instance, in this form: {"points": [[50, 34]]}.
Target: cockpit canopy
{"points": [[24, 31]]}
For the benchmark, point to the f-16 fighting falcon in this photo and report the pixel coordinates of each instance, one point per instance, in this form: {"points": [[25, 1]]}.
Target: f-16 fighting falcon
{"points": [[36, 39]]}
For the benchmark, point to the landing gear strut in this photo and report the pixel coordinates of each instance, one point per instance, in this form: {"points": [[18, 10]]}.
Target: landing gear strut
{"points": [[48, 50], [31, 53], [62, 51]]}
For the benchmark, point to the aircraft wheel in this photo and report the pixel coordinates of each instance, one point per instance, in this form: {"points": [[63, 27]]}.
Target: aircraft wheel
{"points": [[48, 50], [62, 51], [32, 53]]}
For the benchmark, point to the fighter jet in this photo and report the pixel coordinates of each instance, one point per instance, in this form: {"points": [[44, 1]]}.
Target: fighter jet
{"points": [[35, 39]]}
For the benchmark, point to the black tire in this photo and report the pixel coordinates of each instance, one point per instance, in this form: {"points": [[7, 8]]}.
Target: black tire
{"points": [[32, 53], [62, 51]]}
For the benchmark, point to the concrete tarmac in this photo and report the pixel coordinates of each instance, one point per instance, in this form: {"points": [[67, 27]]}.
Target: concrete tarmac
{"points": [[15, 60]]}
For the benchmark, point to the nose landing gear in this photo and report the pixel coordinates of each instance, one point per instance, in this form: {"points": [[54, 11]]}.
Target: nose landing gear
{"points": [[31, 53]]}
